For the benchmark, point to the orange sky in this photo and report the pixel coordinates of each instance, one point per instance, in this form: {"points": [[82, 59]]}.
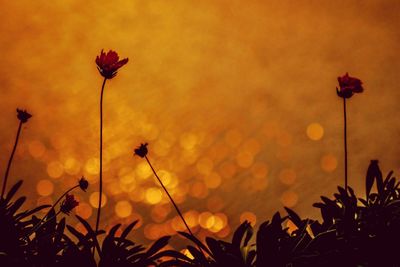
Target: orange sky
{"points": [[223, 92]]}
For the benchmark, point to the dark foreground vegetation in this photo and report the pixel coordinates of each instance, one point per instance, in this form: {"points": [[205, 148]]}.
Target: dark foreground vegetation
{"points": [[353, 232]]}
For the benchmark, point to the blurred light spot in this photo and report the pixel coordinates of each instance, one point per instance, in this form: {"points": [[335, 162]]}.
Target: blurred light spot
{"points": [[204, 166], [177, 224], [114, 188], [45, 188], [191, 218], [315, 131], [284, 139], [227, 169], [210, 222], [215, 203], [58, 141], [143, 170], [127, 187], [92, 166], [152, 231], [289, 199], [329, 163], [55, 169], [287, 176], [259, 170], [283, 155], [220, 221], [84, 210], [252, 146], [188, 141], [199, 190], [36, 149], [212, 180], [270, 129], [94, 199], [258, 184], [224, 232], [123, 209], [159, 213], [204, 219], [138, 195], [153, 195], [161, 148], [233, 138], [165, 177], [72, 166], [248, 216], [244, 159]]}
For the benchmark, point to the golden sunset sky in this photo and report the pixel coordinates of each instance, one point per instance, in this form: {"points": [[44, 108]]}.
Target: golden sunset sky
{"points": [[236, 99]]}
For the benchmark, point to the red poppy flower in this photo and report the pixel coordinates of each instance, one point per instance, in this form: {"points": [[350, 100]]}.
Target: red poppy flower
{"points": [[68, 204], [348, 86], [109, 63], [23, 115], [141, 151]]}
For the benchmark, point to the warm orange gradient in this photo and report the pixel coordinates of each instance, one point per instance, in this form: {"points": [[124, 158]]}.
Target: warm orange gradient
{"points": [[235, 98]]}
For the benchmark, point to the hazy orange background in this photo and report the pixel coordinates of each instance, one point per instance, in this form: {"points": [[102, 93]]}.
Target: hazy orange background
{"points": [[235, 98]]}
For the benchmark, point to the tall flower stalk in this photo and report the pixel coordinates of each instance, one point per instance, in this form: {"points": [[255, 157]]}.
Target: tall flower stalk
{"points": [[108, 65], [142, 151], [347, 87], [23, 117]]}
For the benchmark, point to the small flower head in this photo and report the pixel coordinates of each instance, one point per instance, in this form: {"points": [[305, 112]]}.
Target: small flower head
{"points": [[83, 184], [23, 115], [109, 63], [348, 86], [68, 204], [141, 151]]}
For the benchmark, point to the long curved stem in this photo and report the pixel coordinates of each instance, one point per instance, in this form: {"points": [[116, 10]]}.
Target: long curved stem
{"points": [[10, 160], [52, 207], [173, 202], [345, 143], [101, 156]]}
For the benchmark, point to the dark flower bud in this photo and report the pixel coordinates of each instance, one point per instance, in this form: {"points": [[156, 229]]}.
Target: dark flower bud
{"points": [[68, 204], [23, 115], [83, 184], [141, 151]]}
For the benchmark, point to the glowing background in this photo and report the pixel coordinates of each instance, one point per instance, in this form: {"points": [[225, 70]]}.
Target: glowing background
{"points": [[236, 99]]}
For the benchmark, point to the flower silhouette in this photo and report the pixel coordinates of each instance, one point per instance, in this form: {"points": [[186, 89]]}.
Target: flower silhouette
{"points": [[68, 204], [109, 63], [83, 184], [23, 115], [141, 151], [348, 86]]}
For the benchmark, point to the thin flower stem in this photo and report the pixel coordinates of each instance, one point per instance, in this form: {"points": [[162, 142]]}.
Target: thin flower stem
{"points": [[173, 202], [10, 160], [345, 143], [101, 157], [52, 207]]}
